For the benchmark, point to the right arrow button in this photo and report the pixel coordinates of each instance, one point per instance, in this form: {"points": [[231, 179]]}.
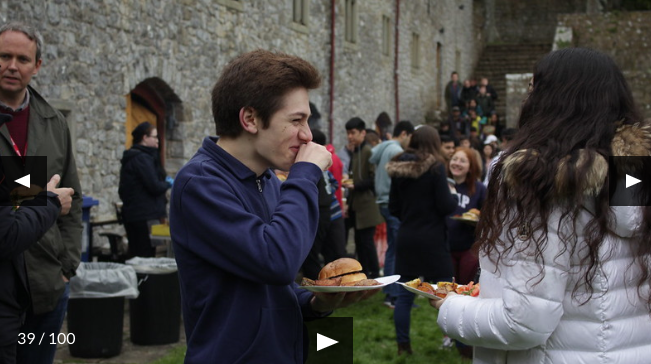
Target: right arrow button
{"points": [[631, 181], [323, 342]]}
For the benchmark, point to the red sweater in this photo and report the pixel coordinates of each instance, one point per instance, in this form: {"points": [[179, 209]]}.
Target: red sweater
{"points": [[18, 128]]}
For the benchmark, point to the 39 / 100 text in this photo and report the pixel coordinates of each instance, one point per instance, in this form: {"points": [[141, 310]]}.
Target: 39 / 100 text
{"points": [[29, 338]]}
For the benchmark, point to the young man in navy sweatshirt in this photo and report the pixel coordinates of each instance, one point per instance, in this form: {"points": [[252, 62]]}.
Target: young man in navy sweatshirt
{"points": [[239, 236]]}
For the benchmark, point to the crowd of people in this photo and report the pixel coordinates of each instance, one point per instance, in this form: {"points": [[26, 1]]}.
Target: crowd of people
{"points": [[547, 241], [408, 181], [557, 262], [471, 109]]}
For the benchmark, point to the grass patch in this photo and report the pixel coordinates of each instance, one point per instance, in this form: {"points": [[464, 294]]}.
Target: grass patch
{"points": [[175, 356], [374, 336]]}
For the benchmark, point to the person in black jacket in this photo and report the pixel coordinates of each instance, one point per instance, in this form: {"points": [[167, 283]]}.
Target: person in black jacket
{"points": [[421, 197], [19, 229], [330, 235], [143, 183]]}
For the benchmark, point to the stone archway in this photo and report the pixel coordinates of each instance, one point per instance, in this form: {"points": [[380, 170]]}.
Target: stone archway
{"points": [[153, 100]]}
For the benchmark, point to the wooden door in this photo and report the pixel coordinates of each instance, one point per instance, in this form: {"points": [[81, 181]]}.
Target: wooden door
{"points": [[136, 114]]}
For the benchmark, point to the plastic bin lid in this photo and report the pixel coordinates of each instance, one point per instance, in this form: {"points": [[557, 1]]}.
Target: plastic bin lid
{"points": [[153, 265], [104, 280], [88, 202]]}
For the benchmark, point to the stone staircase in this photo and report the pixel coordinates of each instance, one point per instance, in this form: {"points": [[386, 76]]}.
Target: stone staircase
{"points": [[498, 60]]}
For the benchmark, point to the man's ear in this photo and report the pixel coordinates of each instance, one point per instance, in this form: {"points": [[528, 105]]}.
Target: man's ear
{"points": [[248, 120], [38, 67]]}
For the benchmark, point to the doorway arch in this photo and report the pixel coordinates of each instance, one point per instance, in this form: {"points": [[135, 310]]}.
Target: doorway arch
{"points": [[153, 100]]}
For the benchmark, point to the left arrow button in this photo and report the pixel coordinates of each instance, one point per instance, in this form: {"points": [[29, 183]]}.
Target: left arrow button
{"points": [[25, 181]]}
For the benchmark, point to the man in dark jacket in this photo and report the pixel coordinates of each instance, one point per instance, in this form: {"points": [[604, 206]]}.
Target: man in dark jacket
{"points": [[19, 229], [330, 236], [453, 91], [490, 90], [143, 184], [38, 129], [239, 237], [363, 212]]}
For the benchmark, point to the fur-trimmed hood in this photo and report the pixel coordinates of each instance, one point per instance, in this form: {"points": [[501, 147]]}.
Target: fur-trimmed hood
{"points": [[408, 166], [629, 141]]}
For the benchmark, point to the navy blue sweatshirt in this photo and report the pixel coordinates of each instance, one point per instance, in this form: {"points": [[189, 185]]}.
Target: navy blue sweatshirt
{"points": [[461, 235], [239, 241]]}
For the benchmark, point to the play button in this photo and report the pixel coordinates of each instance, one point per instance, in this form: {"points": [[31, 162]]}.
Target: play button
{"points": [[25, 181], [631, 181], [323, 342], [335, 335]]}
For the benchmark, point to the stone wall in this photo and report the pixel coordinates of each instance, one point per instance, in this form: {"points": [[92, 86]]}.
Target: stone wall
{"points": [[517, 88], [519, 21], [625, 36], [97, 52]]}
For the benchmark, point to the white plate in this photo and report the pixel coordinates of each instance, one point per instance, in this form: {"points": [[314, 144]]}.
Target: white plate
{"points": [[384, 281], [420, 293]]}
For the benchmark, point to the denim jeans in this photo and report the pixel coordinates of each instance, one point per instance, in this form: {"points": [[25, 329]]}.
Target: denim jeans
{"points": [[393, 224], [402, 314], [43, 325]]}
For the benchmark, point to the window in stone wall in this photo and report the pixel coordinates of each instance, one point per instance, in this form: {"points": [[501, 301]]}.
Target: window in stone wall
{"points": [[415, 51], [301, 10], [386, 35], [351, 17], [300, 16]]}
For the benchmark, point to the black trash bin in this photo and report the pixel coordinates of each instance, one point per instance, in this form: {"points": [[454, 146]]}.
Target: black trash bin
{"points": [[155, 316], [96, 308]]}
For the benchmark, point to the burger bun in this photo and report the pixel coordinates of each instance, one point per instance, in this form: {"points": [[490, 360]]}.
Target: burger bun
{"points": [[340, 267], [352, 279]]}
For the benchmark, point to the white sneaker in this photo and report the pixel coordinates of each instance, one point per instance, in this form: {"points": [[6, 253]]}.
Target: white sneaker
{"points": [[447, 342]]}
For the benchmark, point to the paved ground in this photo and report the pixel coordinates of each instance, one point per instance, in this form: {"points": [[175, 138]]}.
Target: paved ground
{"points": [[130, 353]]}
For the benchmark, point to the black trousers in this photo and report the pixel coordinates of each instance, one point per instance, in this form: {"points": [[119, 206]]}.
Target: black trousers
{"points": [[330, 243], [366, 252], [139, 241], [365, 248], [8, 353]]}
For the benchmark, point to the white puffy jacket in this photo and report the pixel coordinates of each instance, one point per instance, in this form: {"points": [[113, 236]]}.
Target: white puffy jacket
{"points": [[514, 321]]}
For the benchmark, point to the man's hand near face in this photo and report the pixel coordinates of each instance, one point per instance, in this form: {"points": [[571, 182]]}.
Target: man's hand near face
{"points": [[314, 153]]}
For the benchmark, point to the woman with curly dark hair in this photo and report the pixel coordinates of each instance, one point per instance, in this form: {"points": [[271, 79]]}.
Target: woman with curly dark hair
{"points": [[565, 275]]}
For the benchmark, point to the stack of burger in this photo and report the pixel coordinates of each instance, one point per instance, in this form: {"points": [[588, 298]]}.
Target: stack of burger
{"points": [[341, 272], [472, 214]]}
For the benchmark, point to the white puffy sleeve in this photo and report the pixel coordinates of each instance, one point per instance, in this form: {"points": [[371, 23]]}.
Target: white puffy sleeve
{"points": [[519, 305]]}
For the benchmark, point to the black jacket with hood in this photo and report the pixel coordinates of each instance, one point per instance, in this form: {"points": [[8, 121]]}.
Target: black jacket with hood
{"points": [[142, 185]]}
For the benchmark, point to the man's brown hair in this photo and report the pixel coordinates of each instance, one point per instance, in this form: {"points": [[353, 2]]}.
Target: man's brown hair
{"points": [[258, 79]]}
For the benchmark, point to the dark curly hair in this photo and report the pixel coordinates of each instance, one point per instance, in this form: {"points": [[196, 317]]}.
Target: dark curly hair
{"points": [[578, 99]]}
